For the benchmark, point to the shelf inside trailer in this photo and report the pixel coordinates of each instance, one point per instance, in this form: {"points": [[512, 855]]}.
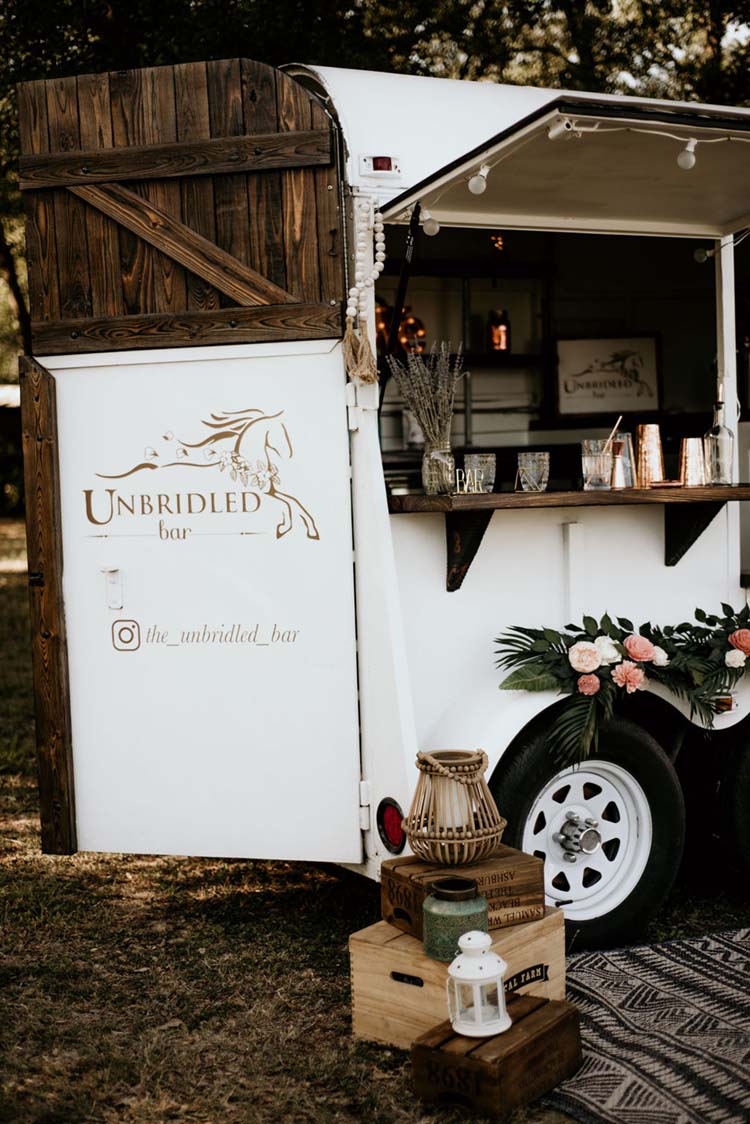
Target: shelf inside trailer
{"points": [[687, 513]]}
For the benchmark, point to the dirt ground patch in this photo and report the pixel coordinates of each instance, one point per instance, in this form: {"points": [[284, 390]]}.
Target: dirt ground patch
{"points": [[140, 989]]}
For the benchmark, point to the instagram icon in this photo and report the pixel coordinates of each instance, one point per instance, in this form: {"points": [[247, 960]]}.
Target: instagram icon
{"points": [[126, 635]]}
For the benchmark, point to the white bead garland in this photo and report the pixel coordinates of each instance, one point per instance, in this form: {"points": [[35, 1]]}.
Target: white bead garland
{"points": [[358, 295]]}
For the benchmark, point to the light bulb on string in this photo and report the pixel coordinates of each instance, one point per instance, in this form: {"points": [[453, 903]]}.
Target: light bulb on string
{"points": [[478, 182], [687, 158], [430, 226]]}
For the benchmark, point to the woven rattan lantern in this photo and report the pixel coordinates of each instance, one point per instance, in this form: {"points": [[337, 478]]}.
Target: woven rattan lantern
{"points": [[453, 818]]}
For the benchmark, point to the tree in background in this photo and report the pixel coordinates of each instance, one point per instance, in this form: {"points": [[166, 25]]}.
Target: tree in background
{"points": [[690, 51]]}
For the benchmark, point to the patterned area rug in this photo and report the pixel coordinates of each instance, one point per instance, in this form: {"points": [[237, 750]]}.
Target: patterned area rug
{"points": [[666, 1033]]}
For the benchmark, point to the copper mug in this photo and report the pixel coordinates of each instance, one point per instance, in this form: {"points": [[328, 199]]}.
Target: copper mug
{"points": [[650, 457], [692, 464]]}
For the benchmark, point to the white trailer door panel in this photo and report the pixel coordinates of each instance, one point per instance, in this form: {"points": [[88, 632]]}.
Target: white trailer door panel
{"points": [[208, 588]]}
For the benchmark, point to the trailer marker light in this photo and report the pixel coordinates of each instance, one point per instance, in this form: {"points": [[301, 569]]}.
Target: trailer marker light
{"points": [[389, 819], [382, 164]]}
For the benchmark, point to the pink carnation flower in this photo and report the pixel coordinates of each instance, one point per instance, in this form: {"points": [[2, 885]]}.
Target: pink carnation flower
{"points": [[741, 640], [589, 684], [639, 648], [629, 676]]}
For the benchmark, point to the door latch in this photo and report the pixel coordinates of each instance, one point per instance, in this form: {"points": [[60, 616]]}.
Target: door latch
{"points": [[113, 587]]}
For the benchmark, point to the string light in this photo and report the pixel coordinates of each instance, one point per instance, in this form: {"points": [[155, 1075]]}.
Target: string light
{"points": [[430, 226], [478, 182], [686, 159], [567, 127]]}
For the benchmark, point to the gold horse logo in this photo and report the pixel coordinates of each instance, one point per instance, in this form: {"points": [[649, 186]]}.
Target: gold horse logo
{"points": [[244, 444]]}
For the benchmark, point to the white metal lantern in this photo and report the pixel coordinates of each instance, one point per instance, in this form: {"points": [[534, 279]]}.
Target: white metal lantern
{"points": [[476, 993]]}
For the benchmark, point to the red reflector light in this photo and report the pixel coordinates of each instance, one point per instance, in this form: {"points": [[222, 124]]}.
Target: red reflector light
{"points": [[389, 819], [382, 164], [392, 825]]}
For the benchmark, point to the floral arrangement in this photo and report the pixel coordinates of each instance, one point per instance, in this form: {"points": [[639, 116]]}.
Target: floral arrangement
{"points": [[599, 662], [428, 387]]}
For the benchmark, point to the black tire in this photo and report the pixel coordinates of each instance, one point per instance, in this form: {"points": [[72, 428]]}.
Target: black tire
{"points": [[518, 781]]}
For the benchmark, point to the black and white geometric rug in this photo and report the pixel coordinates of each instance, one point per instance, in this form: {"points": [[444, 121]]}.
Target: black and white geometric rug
{"points": [[666, 1033]]}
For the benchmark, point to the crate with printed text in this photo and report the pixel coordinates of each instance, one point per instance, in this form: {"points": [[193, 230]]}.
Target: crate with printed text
{"points": [[511, 881], [399, 993], [499, 1074]]}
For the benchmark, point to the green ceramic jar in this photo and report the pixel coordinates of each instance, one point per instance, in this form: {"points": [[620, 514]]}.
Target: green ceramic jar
{"points": [[453, 908]]}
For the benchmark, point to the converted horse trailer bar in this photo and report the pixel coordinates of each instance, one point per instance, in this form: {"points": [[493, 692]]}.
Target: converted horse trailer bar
{"points": [[216, 670]]}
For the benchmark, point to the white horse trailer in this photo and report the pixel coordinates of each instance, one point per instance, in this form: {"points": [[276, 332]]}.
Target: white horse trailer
{"points": [[248, 643]]}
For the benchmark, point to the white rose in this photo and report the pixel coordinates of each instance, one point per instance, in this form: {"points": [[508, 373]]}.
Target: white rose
{"points": [[607, 650], [584, 657], [661, 659], [734, 658]]}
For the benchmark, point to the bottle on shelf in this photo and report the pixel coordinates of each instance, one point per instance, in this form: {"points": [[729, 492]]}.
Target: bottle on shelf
{"points": [[718, 447], [498, 330]]}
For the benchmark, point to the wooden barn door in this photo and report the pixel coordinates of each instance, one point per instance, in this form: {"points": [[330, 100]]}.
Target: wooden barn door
{"points": [[193, 204], [188, 207]]}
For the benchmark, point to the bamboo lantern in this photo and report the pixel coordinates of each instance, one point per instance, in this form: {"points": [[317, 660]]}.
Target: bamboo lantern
{"points": [[453, 818]]}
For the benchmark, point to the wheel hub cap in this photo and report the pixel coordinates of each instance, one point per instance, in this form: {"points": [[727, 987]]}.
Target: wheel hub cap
{"points": [[578, 836]]}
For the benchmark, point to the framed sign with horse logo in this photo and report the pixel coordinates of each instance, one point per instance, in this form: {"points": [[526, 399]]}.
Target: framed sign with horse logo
{"points": [[605, 376]]}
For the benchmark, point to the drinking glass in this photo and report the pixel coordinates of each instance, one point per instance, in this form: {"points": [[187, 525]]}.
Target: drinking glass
{"points": [[596, 463], [628, 460], [483, 465], [533, 471]]}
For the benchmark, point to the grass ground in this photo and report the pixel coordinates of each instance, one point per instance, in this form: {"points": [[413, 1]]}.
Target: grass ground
{"points": [[141, 990]]}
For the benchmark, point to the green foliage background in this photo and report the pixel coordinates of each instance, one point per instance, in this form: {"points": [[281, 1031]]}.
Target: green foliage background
{"points": [[694, 51]]}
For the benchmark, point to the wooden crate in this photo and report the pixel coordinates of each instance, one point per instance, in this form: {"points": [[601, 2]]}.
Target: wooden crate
{"points": [[511, 881], [398, 993], [497, 1075]]}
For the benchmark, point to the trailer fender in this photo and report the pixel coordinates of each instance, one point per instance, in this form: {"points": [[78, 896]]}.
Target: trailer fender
{"points": [[739, 711], [488, 721], [493, 722]]}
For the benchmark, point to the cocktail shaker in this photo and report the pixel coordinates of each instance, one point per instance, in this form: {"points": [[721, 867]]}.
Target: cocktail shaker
{"points": [[650, 457], [692, 463]]}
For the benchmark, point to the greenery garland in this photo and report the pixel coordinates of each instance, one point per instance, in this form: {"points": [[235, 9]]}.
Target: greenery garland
{"points": [[599, 662]]}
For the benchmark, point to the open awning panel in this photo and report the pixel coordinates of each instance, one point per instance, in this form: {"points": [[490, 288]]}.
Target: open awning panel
{"points": [[579, 168]]}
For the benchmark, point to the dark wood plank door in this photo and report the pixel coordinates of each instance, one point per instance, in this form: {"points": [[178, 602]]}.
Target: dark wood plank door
{"points": [[185, 205]]}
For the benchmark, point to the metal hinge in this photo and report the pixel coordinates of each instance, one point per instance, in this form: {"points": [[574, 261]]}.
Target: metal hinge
{"points": [[360, 397], [364, 805], [353, 411]]}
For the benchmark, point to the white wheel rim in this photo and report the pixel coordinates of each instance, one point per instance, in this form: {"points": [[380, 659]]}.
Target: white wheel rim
{"points": [[595, 884]]}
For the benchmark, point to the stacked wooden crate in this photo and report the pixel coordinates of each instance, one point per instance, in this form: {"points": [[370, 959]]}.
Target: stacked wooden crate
{"points": [[399, 993]]}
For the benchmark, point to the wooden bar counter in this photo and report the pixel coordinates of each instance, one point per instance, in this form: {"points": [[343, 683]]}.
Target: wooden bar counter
{"points": [[687, 513]]}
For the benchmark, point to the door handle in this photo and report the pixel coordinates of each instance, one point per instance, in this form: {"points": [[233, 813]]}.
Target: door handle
{"points": [[113, 586]]}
